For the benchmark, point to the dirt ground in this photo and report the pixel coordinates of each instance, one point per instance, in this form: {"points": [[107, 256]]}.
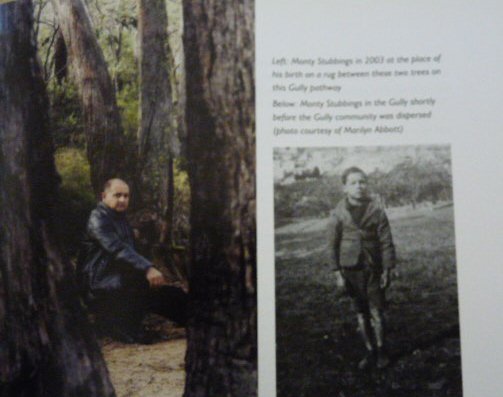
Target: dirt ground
{"points": [[318, 347], [148, 370]]}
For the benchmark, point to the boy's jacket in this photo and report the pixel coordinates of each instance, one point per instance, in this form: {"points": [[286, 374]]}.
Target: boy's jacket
{"points": [[349, 244]]}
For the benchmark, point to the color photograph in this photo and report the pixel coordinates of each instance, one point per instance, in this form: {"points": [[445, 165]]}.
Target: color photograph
{"points": [[127, 196]]}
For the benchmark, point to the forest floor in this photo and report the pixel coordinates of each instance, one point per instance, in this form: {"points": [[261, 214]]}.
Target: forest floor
{"points": [[318, 347], [148, 370]]}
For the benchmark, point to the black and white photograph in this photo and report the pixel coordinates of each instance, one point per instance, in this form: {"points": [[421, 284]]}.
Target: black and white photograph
{"points": [[365, 269]]}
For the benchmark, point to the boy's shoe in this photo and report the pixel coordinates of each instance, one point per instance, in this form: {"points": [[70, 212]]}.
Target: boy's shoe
{"points": [[382, 359], [367, 361]]}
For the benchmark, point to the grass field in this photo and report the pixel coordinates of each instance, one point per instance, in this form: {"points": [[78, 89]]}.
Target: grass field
{"points": [[317, 343]]}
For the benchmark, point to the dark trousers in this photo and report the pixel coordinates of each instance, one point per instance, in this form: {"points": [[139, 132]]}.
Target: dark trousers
{"points": [[126, 308]]}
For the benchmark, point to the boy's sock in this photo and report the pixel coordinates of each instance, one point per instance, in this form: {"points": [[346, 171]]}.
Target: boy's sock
{"points": [[377, 322], [365, 330]]}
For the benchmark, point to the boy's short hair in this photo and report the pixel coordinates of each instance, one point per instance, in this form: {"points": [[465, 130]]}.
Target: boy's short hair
{"points": [[352, 170]]}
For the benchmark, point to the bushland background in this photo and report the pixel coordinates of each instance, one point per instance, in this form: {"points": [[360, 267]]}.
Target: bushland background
{"points": [[160, 93], [115, 26], [135, 370]]}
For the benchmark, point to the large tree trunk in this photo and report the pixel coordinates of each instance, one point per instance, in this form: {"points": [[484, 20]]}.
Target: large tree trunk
{"points": [[157, 135], [158, 140], [103, 128], [46, 345], [219, 45]]}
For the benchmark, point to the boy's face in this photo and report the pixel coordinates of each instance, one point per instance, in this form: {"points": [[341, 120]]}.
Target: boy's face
{"points": [[356, 186]]}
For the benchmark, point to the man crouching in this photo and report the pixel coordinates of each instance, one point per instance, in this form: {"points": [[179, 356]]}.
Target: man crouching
{"points": [[119, 284]]}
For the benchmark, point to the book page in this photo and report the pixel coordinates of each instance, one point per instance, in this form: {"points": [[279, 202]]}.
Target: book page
{"points": [[409, 94]]}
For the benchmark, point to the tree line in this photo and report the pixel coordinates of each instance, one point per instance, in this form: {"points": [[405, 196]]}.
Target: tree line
{"points": [[407, 183]]}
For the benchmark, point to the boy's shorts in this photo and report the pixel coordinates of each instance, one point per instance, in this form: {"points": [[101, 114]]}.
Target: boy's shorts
{"points": [[363, 286]]}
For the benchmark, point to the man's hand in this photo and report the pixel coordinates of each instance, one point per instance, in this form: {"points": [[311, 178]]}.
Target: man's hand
{"points": [[339, 280], [155, 278], [385, 278]]}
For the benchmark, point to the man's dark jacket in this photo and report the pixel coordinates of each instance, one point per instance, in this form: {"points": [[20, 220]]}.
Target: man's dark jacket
{"points": [[370, 240], [107, 260]]}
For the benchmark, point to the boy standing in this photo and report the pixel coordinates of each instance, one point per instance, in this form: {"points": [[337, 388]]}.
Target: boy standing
{"points": [[362, 251]]}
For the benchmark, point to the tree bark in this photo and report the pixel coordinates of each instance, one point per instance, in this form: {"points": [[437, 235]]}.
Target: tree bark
{"points": [[105, 140], [46, 345], [60, 58], [157, 136], [219, 45]]}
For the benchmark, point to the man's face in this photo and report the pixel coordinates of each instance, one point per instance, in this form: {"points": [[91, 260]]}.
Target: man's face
{"points": [[356, 186], [116, 196]]}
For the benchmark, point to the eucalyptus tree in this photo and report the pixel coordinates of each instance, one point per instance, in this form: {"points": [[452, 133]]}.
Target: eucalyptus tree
{"points": [[46, 345], [222, 334], [106, 146]]}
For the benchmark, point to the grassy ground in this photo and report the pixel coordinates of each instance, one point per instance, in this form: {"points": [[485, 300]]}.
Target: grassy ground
{"points": [[317, 343]]}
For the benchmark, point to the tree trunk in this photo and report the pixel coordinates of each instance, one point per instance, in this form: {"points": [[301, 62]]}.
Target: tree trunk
{"points": [[105, 141], [157, 137], [60, 58], [219, 45], [46, 345], [158, 140]]}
